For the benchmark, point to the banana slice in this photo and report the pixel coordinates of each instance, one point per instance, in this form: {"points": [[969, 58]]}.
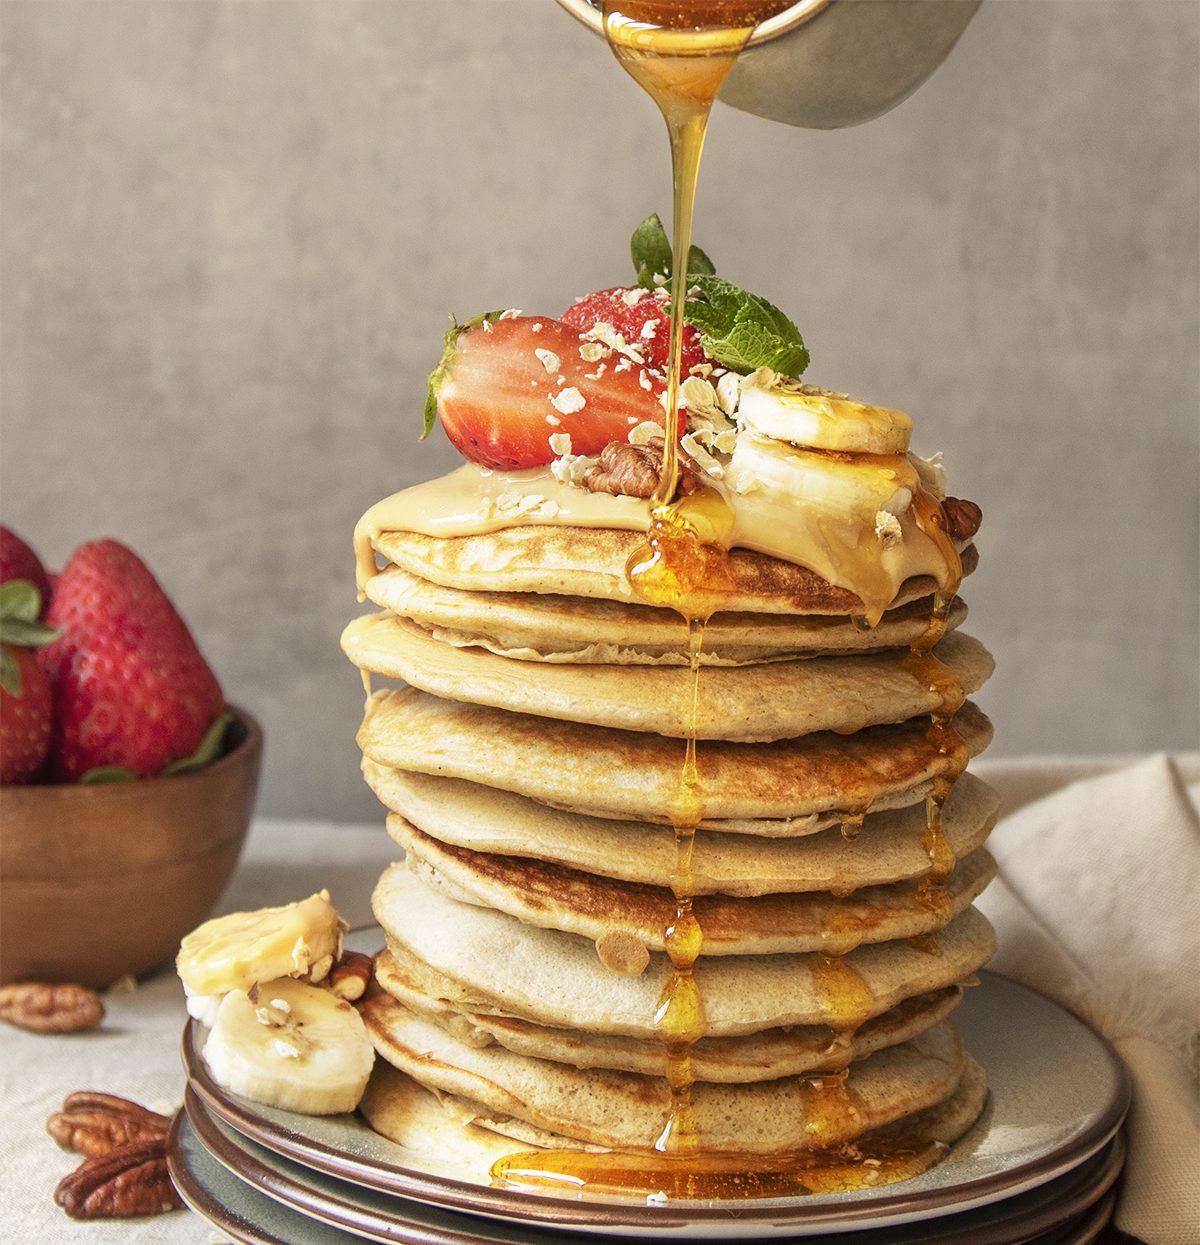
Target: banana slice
{"points": [[237, 951], [291, 1045], [788, 410], [851, 486]]}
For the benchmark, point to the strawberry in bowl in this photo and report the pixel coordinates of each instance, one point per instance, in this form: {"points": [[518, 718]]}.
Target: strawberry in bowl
{"points": [[123, 838]]}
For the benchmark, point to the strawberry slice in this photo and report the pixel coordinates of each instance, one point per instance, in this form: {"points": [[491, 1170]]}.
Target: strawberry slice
{"points": [[641, 316], [504, 387]]}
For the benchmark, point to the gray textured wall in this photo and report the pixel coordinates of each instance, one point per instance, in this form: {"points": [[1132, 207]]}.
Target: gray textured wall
{"points": [[232, 231]]}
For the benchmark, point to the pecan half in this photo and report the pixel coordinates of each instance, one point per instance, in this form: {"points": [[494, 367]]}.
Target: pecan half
{"points": [[44, 1008], [962, 518], [93, 1124], [351, 975], [130, 1180], [634, 471]]}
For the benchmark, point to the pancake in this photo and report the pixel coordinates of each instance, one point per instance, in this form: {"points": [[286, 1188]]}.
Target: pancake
{"points": [[557, 979], [756, 703], [590, 562], [623, 1110], [463, 1135], [886, 849], [534, 626], [627, 774], [792, 1051], [554, 897]]}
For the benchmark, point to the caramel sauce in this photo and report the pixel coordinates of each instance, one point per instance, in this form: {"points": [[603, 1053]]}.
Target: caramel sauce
{"points": [[681, 55]]}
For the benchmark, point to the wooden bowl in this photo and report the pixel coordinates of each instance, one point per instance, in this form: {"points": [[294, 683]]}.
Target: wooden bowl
{"points": [[99, 882]]}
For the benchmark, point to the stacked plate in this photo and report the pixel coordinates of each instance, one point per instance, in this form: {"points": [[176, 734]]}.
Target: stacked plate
{"points": [[1038, 1166]]}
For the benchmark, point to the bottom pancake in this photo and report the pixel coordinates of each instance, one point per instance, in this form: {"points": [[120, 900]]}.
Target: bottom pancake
{"points": [[466, 1136]]}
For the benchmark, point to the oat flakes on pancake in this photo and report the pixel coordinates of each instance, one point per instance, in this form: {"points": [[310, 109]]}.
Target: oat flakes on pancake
{"points": [[558, 980], [623, 1110], [750, 789], [750, 704], [467, 1135], [794, 1051], [544, 627], [485, 819], [590, 562], [555, 897]]}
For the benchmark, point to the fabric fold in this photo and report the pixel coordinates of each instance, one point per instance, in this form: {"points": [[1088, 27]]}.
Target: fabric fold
{"points": [[1097, 905]]}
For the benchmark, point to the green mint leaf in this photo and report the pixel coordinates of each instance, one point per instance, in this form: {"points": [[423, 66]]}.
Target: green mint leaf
{"points": [[27, 634], [742, 331], [20, 600], [10, 673], [208, 749], [699, 265], [438, 375], [103, 775], [650, 249]]}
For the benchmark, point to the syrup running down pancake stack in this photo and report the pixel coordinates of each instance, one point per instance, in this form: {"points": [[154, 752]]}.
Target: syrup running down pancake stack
{"points": [[531, 765]]}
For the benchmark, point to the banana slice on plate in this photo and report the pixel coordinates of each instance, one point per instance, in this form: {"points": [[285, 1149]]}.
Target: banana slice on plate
{"points": [[291, 1045], [784, 409], [237, 951]]}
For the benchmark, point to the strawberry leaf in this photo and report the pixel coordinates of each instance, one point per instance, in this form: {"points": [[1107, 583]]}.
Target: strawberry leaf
{"points": [[208, 749], [103, 775], [27, 634], [438, 375], [10, 673], [652, 256], [20, 601], [743, 331]]}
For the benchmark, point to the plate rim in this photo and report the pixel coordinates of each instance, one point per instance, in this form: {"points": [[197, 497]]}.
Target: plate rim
{"points": [[282, 1187], [596, 1213]]}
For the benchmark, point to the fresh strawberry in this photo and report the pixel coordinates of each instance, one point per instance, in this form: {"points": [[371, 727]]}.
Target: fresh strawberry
{"points": [[26, 704], [505, 386], [641, 316], [130, 686], [18, 561]]}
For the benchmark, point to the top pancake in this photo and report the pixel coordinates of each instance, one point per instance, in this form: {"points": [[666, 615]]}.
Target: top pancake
{"points": [[587, 562], [534, 626]]}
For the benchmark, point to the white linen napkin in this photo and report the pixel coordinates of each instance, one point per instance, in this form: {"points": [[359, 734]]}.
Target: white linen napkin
{"points": [[1097, 904]]}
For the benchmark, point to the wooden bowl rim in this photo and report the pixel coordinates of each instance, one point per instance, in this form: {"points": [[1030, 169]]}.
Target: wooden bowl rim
{"points": [[241, 752]]}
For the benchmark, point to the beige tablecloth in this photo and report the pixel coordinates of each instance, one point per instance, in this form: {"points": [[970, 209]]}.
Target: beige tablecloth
{"points": [[135, 1053]]}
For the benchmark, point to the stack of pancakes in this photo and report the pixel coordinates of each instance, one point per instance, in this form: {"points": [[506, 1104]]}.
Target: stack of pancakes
{"points": [[531, 763]]}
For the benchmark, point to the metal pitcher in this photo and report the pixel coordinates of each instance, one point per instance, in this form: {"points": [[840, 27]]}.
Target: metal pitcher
{"points": [[825, 64]]}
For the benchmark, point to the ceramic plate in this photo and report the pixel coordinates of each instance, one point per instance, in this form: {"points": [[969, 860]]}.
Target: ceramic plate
{"points": [[385, 1218], [247, 1216], [1058, 1094]]}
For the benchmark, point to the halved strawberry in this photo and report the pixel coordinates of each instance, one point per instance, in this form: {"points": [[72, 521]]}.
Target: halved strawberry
{"points": [[504, 387], [641, 316]]}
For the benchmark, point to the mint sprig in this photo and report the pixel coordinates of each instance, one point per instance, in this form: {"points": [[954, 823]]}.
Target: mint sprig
{"points": [[438, 375], [652, 256], [742, 331], [739, 330], [207, 750]]}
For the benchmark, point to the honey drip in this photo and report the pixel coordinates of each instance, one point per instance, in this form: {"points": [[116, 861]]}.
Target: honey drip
{"points": [[935, 675], [684, 566]]}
